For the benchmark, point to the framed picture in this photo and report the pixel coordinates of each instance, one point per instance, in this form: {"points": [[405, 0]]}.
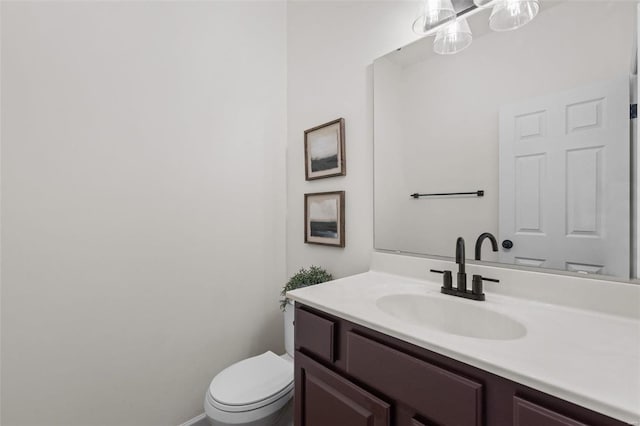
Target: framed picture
{"points": [[324, 150], [324, 218]]}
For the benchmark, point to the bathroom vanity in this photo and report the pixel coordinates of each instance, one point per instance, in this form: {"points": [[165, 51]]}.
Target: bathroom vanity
{"points": [[366, 355]]}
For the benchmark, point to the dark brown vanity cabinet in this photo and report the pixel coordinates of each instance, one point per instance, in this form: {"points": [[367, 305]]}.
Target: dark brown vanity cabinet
{"points": [[330, 399], [349, 375]]}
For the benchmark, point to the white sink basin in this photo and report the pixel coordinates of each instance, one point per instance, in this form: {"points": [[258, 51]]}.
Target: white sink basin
{"points": [[451, 316]]}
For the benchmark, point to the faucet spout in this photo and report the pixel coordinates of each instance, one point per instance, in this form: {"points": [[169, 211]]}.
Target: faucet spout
{"points": [[461, 279], [480, 240], [460, 255], [462, 274]]}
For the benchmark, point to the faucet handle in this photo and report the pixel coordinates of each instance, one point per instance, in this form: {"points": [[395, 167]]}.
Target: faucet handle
{"points": [[480, 278], [447, 279], [476, 284]]}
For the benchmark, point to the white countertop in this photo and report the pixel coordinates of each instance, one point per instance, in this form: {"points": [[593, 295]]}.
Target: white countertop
{"points": [[588, 358]]}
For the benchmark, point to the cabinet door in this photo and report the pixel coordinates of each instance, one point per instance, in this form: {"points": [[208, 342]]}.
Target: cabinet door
{"points": [[526, 413], [323, 398]]}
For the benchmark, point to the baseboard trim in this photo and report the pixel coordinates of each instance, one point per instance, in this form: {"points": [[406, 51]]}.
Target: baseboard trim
{"points": [[194, 420]]}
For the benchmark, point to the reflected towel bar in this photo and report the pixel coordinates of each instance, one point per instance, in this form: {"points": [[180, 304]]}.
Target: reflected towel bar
{"points": [[479, 193]]}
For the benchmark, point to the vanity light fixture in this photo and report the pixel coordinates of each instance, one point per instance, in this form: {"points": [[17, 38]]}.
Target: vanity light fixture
{"points": [[509, 15], [452, 31], [453, 38], [432, 14]]}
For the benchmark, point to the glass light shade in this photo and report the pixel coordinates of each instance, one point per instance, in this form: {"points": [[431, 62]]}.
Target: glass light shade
{"points": [[483, 3], [453, 38], [512, 14], [432, 14]]}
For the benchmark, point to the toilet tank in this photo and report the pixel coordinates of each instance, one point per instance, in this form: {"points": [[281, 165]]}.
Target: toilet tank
{"points": [[288, 329]]}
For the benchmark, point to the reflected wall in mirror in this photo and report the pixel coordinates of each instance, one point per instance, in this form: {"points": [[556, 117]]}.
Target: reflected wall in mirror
{"points": [[537, 118]]}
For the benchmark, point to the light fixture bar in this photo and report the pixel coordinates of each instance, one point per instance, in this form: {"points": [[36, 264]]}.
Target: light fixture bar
{"points": [[466, 13]]}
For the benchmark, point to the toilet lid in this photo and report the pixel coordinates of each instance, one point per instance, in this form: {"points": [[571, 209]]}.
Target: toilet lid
{"points": [[252, 380]]}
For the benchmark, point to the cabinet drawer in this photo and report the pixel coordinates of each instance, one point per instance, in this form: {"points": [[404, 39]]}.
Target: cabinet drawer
{"points": [[527, 413], [315, 335], [324, 398], [439, 395]]}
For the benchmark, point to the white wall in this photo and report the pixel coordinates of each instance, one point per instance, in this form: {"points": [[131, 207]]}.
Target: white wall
{"points": [[143, 150], [331, 48]]}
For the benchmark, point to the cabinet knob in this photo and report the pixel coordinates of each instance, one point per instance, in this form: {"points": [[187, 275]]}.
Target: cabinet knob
{"points": [[507, 244]]}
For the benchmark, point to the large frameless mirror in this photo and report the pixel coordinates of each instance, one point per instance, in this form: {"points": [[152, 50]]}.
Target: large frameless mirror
{"points": [[527, 133]]}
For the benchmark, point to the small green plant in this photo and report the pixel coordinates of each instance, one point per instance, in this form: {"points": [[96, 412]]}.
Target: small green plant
{"points": [[304, 278]]}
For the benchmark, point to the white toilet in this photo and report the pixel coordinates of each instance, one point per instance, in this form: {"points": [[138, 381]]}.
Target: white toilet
{"points": [[256, 391]]}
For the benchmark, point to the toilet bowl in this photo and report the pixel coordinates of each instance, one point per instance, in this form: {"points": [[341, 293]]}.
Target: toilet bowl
{"points": [[257, 391]]}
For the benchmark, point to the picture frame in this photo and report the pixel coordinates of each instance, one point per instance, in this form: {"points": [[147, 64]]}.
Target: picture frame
{"points": [[324, 218], [324, 150]]}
